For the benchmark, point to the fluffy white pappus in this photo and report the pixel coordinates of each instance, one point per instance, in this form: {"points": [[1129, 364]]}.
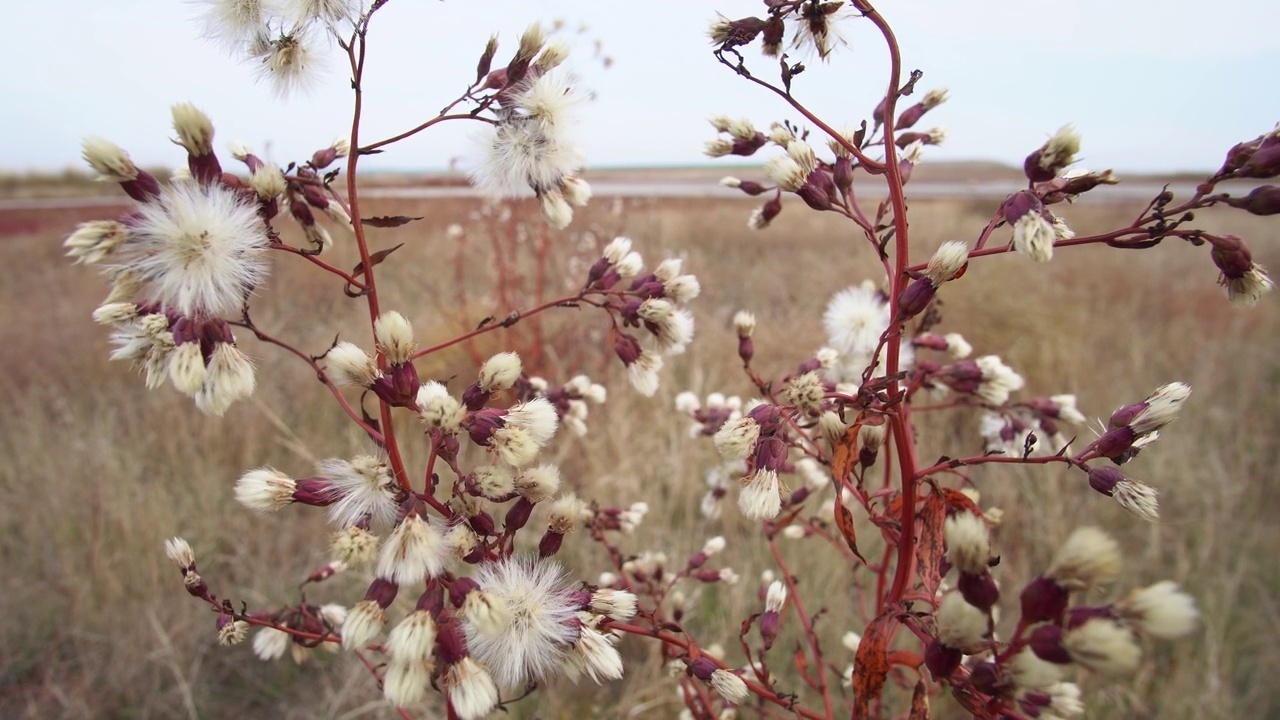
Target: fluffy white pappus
{"points": [[593, 653], [200, 250], [531, 147], [414, 551], [270, 643], [328, 12], [290, 62], [761, 495], [367, 488], [232, 24], [542, 616], [854, 320]]}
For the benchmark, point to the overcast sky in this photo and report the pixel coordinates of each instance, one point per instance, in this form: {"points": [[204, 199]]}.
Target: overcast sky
{"points": [[1151, 86]]}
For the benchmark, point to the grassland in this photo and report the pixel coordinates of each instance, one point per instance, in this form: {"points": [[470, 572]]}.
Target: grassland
{"points": [[98, 471]]}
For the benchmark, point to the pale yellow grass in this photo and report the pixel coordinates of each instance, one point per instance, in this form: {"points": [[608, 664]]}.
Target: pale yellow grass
{"points": [[99, 471]]}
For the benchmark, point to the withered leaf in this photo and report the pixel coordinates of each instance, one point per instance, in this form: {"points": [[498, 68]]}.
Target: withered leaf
{"points": [[388, 221]]}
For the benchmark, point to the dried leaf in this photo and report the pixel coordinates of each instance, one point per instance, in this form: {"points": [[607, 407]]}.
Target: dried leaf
{"points": [[960, 502], [846, 454], [919, 702], [375, 259], [388, 221], [871, 664], [844, 521], [931, 547]]}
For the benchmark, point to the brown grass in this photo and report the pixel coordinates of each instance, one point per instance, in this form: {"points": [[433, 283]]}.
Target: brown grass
{"points": [[100, 471]]}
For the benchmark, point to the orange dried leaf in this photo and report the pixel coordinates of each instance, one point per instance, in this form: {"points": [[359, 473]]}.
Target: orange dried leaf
{"points": [[871, 664], [931, 547], [919, 703], [844, 521]]}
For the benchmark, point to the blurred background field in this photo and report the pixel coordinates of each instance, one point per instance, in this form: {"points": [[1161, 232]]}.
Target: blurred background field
{"points": [[99, 471]]}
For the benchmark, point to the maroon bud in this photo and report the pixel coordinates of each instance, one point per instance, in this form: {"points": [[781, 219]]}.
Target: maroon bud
{"points": [[931, 341], [1046, 643], [816, 191], [748, 147], [910, 116], [979, 591], [867, 456], [482, 523], [905, 139], [451, 644], [1043, 600], [626, 348], [1105, 479], [771, 40], [142, 188], [382, 591], [915, 298], [316, 492], [321, 159], [1081, 615], [746, 348], [985, 677], [697, 560], [799, 495], [302, 213], [842, 176], [703, 668], [1264, 163], [1262, 200], [707, 575], [315, 197], [323, 573], [1034, 172], [474, 397], [941, 660], [751, 187], [431, 600], [1019, 204], [877, 115], [1126, 415], [770, 209], [550, 543], [204, 168], [517, 516], [737, 32], [597, 272], [481, 424], [770, 623], [1231, 255], [1115, 442], [460, 588]]}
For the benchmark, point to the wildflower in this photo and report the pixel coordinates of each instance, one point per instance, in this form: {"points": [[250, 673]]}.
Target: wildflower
{"points": [[350, 365], [232, 632], [415, 551], [290, 62], [1089, 558], [179, 551], [542, 620], [593, 652], [232, 23], [93, 241], [1104, 646], [194, 128], [471, 689], [438, 409], [500, 372], [395, 338], [948, 262], [615, 604], [1161, 408], [1057, 152], [354, 545], [761, 495], [968, 543], [854, 320], [538, 484], [730, 686], [366, 488], [736, 439], [363, 624], [531, 145], [270, 643], [1161, 610], [198, 249], [265, 489]]}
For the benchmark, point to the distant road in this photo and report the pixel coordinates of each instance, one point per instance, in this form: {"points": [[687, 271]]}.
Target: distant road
{"points": [[1140, 190]]}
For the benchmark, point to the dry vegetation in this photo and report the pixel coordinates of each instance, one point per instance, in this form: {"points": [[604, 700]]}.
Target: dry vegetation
{"points": [[99, 471]]}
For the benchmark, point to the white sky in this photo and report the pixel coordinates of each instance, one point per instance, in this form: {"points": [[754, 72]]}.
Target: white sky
{"points": [[1151, 86]]}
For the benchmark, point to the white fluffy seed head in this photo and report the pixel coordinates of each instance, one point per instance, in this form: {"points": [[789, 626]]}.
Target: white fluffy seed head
{"points": [[414, 551], [736, 439], [947, 261], [395, 337], [961, 625], [968, 542], [438, 409], [347, 364], [265, 489], [500, 372], [1161, 610], [93, 241], [1088, 559], [729, 685], [761, 495], [1104, 646], [363, 624], [194, 128], [199, 249], [108, 160]]}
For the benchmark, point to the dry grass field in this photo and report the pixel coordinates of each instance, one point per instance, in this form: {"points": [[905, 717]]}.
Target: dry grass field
{"points": [[98, 471]]}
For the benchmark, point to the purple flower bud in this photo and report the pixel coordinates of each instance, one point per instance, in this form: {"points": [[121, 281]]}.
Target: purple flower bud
{"points": [[979, 591], [910, 116], [941, 660], [382, 591], [1262, 200], [985, 677], [460, 588], [1231, 255], [316, 492], [1043, 600], [843, 174], [321, 159], [746, 348], [550, 543], [1115, 442], [474, 397], [770, 623], [517, 516], [702, 668], [915, 298], [1105, 479], [1046, 643]]}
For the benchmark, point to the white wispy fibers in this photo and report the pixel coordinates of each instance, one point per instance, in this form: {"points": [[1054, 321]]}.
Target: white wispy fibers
{"points": [[541, 618], [532, 147], [200, 250]]}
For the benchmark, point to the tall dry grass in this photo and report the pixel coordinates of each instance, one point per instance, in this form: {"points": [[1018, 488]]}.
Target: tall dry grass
{"points": [[99, 472]]}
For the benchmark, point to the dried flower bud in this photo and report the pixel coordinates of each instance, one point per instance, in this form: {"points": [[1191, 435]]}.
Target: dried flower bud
{"points": [[1057, 152]]}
